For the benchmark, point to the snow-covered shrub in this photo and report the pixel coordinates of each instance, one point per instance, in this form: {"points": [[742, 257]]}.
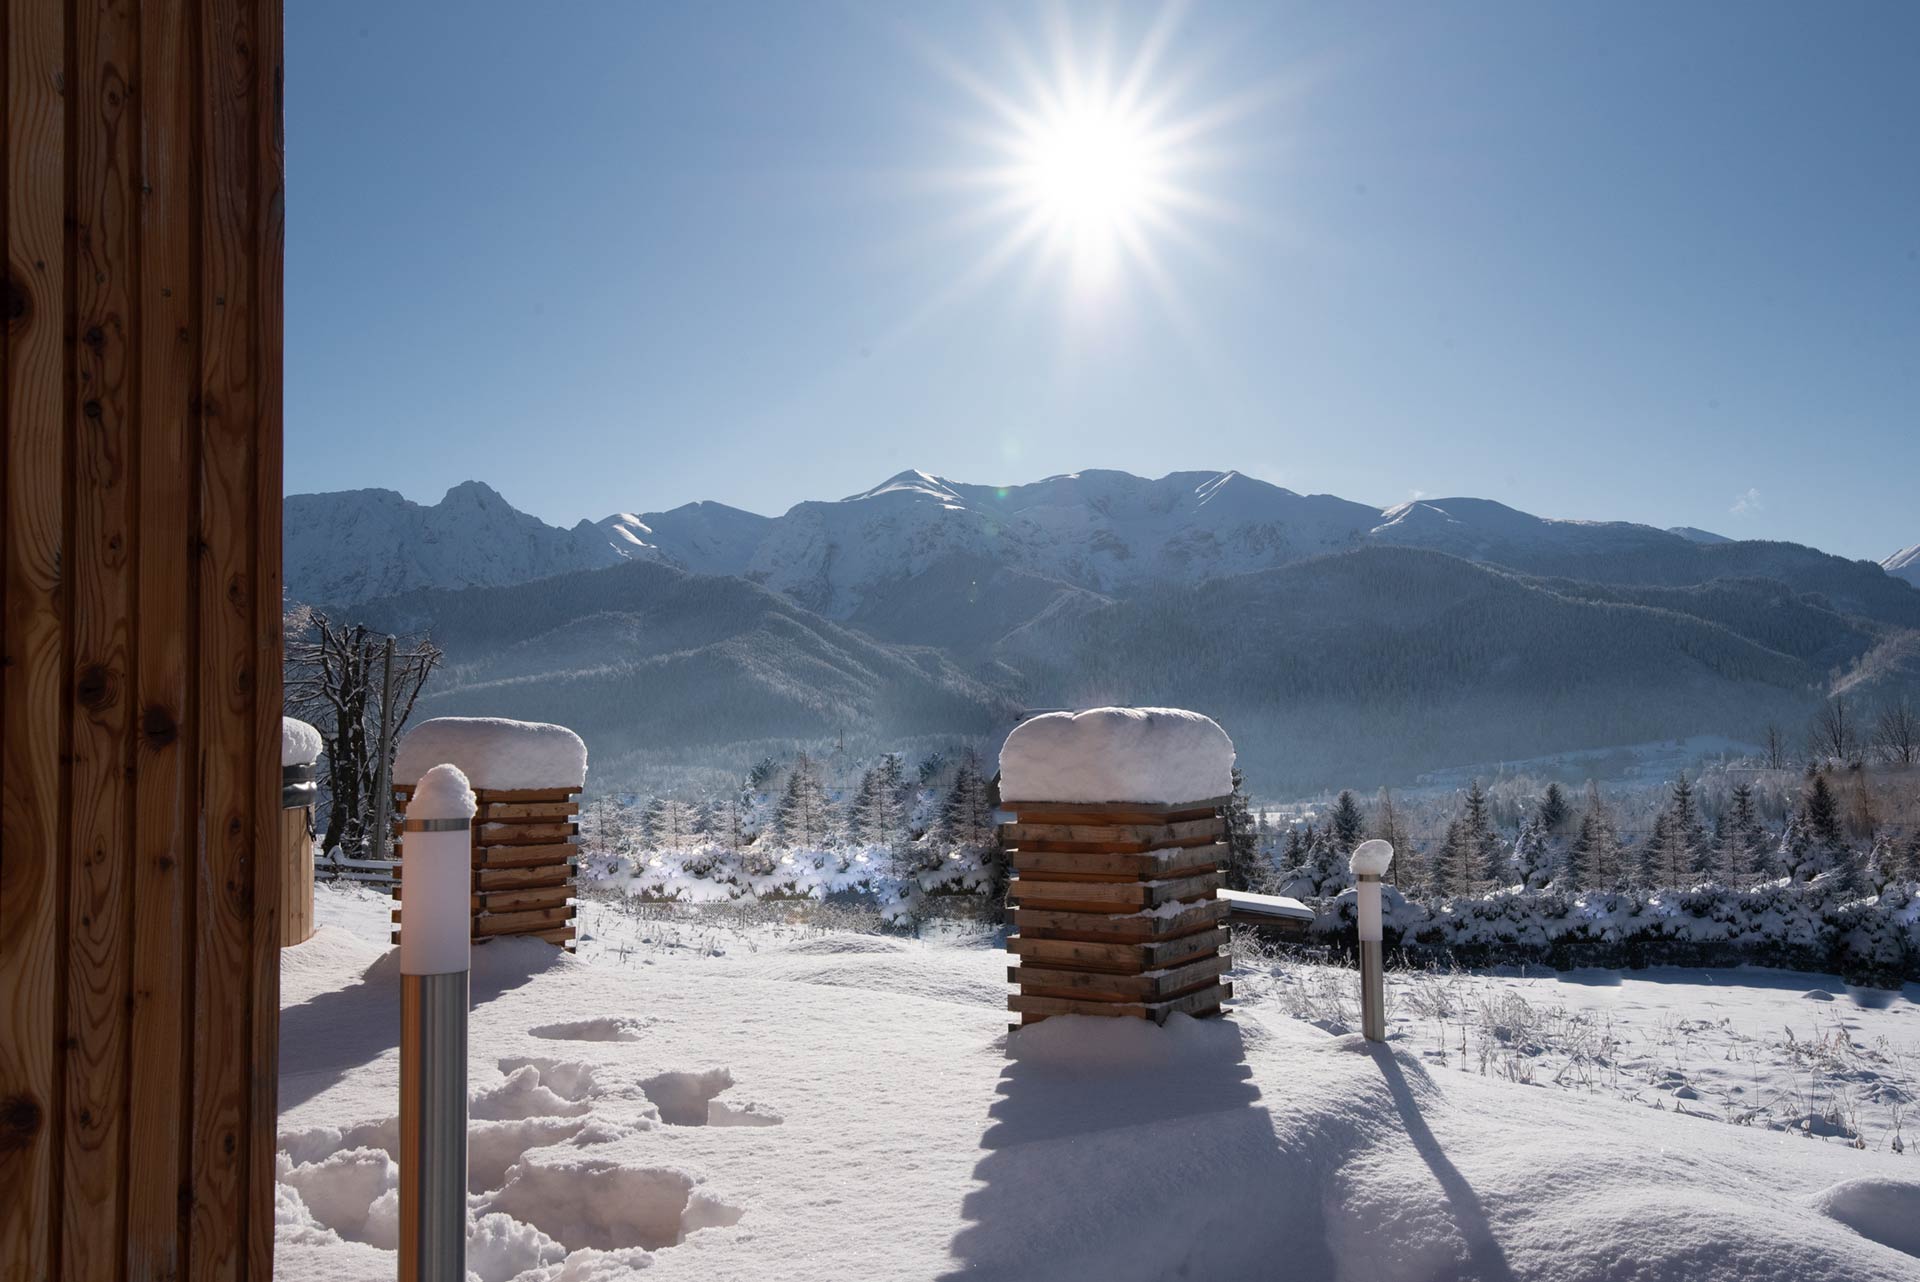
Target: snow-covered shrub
{"points": [[1818, 926]]}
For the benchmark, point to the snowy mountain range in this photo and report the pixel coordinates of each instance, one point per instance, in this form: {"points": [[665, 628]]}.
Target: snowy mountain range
{"points": [[1099, 531], [1339, 641], [1904, 564]]}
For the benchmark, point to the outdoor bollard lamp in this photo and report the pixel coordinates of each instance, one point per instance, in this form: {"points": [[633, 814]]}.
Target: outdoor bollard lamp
{"points": [[435, 953], [1369, 863]]}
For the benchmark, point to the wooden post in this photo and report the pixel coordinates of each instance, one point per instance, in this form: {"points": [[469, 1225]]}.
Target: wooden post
{"points": [[526, 847], [297, 792], [1116, 910], [140, 353]]}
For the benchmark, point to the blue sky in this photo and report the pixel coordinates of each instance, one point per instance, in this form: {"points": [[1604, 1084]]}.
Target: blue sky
{"points": [[1652, 262]]}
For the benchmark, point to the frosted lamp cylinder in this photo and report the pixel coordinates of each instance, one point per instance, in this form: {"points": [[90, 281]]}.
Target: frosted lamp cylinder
{"points": [[436, 876], [1367, 899]]}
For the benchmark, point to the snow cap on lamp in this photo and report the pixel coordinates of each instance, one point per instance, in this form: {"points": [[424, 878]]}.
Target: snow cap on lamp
{"points": [[436, 877], [1371, 858]]}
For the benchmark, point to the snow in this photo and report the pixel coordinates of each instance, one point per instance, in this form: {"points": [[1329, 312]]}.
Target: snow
{"points": [[1904, 564], [1371, 858], [1117, 754], [1882, 1210], [436, 877], [494, 752], [299, 743], [901, 1137], [443, 793], [1246, 901]]}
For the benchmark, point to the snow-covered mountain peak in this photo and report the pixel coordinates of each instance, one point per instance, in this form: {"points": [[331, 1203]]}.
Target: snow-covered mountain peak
{"points": [[478, 495], [1904, 564], [913, 483], [352, 546]]}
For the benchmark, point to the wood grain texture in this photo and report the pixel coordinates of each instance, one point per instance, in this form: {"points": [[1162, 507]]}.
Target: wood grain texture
{"points": [[166, 796], [105, 231], [33, 720], [296, 876], [267, 166], [140, 413], [228, 663]]}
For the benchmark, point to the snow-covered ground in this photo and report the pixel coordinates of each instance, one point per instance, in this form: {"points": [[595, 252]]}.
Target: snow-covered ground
{"points": [[720, 1097]]}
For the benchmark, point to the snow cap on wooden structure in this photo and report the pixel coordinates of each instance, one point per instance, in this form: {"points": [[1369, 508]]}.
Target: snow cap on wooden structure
{"points": [[495, 753], [299, 743], [1158, 755]]}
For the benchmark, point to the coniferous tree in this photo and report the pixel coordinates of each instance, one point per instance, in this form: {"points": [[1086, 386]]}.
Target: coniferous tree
{"points": [[1327, 868], [1822, 812], [1795, 855], [1593, 861], [1294, 854], [1483, 841], [966, 816], [804, 819], [1532, 859], [1457, 870], [1686, 832], [1347, 823], [1554, 813], [1386, 826], [1246, 869], [1736, 851]]}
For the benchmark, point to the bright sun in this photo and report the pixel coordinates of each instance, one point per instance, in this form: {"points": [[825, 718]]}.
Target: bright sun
{"points": [[1090, 173], [1093, 163]]}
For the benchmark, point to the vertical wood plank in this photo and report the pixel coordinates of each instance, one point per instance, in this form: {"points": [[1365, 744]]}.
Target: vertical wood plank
{"points": [[99, 899], [166, 787], [270, 863], [32, 678], [229, 675]]}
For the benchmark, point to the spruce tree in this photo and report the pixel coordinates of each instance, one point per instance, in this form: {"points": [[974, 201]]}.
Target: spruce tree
{"points": [[1686, 834], [1531, 858], [1736, 853], [1246, 870], [1483, 841], [804, 819], [1347, 823], [1593, 861], [1458, 868], [1554, 812], [966, 816], [1822, 812], [1327, 867]]}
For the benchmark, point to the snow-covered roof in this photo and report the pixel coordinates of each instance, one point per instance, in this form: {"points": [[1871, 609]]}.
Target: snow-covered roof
{"points": [[299, 743], [1156, 755], [1276, 906], [494, 752]]}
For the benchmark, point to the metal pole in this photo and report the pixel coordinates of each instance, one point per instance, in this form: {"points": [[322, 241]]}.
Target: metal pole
{"points": [[1373, 991], [435, 955], [1369, 863], [383, 790], [433, 1127]]}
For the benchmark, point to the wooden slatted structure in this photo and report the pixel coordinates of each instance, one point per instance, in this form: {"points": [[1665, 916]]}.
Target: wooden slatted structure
{"points": [[1114, 909], [525, 855], [297, 792], [140, 495]]}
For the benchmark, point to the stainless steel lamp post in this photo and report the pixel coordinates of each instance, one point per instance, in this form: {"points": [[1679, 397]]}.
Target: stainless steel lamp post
{"points": [[1369, 863], [435, 954]]}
